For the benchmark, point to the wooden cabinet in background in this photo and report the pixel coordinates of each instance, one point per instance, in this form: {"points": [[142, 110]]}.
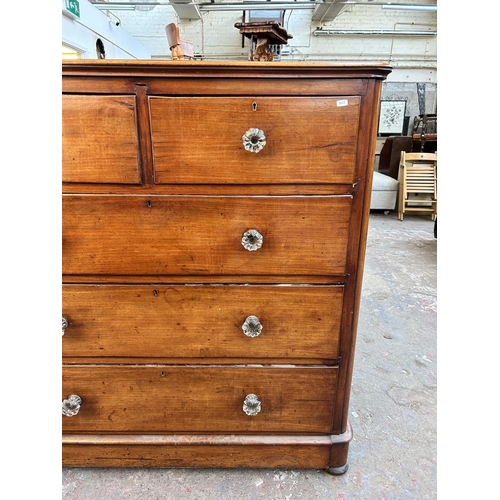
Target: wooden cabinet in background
{"points": [[214, 229]]}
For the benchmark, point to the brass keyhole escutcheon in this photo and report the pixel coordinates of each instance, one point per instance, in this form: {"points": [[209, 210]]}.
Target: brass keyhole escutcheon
{"points": [[254, 106]]}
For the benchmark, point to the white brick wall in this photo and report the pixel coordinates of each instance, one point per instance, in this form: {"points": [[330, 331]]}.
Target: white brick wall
{"points": [[215, 37], [414, 58]]}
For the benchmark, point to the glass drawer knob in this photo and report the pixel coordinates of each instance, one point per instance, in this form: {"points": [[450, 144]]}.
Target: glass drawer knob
{"points": [[254, 140], [71, 406], [251, 405], [252, 240], [252, 327], [64, 324]]}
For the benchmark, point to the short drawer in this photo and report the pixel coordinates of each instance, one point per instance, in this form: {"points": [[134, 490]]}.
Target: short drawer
{"points": [[99, 139], [199, 140], [205, 321], [203, 235], [151, 399]]}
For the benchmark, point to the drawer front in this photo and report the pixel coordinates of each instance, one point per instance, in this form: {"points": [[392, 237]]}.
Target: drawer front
{"points": [[202, 321], [99, 139], [198, 140], [202, 235], [142, 399]]}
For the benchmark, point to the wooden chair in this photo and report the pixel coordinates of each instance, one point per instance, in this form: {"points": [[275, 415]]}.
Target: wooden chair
{"points": [[180, 49], [417, 183]]}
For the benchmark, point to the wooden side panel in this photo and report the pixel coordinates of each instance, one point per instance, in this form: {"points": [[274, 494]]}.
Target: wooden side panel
{"points": [[198, 140], [99, 139], [357, 250], [201, 321], [138, 235], [142, 399]]}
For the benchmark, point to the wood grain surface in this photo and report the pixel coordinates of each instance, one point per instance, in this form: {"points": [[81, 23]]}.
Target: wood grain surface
{"points": [[202, 235], [99, 139], [198, 140], [131, 399], [201, 321]]}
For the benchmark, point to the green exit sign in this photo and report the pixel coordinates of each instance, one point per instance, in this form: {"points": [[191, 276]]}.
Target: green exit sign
{"points": [[73, 6]]}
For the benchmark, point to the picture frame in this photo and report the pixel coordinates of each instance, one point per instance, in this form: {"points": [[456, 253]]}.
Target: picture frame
{"points": [[392, 117]]}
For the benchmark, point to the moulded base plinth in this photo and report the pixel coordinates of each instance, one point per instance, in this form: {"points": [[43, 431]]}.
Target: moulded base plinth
{"points": [[225, 451]]}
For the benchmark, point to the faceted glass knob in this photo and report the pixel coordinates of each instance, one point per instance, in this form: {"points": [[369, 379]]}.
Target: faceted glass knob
{"points": [[252, 327], [71, 406], [252, 240], [64, 324], [251, 405], [254, 140]]}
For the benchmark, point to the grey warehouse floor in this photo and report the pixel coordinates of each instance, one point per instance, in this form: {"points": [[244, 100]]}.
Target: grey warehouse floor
{"points": [[393, 408]]}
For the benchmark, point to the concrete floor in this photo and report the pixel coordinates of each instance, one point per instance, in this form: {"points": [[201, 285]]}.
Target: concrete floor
{"points": [[393, 408]]}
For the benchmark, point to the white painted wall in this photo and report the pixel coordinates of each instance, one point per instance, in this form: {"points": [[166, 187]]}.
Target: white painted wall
{"points": [[82, 34]]}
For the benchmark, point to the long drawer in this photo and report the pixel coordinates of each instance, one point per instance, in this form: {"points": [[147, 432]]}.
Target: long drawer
{"points": [[205, 235], [150, 399], [238, 321], [199, 140]]}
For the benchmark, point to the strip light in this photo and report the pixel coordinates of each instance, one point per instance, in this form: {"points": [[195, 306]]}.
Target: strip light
{"points": [[322, 32], [270, 5], [256, 6], [219, 6], [394, 6]]}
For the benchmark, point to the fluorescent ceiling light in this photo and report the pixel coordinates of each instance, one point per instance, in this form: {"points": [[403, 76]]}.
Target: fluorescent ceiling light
{"points": [[322, 32], [113, 5], [395, 6], [253, 5], [256, 6], [219, 6]]}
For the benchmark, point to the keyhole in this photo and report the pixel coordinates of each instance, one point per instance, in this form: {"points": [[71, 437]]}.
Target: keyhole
{"points": [[148, 203], [254, 106]]}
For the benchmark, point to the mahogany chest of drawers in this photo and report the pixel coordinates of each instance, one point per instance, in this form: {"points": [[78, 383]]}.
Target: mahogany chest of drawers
{"points": [[214, 225]]}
